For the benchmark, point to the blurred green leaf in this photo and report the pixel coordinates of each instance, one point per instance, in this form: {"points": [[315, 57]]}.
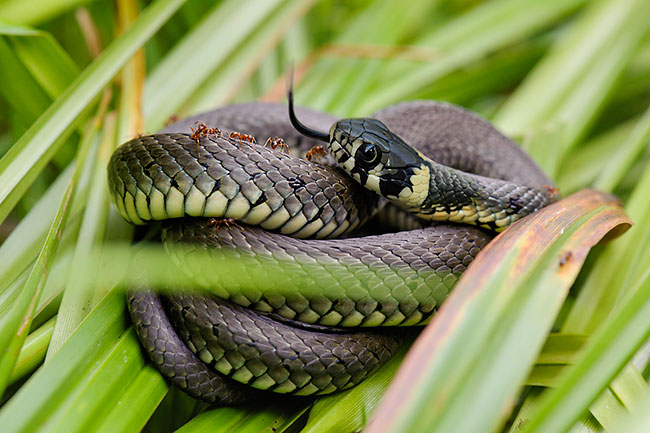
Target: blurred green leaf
{"points": [[468, 37], [225, 82], [50, 392], [42, 55], [572, 82], [614, 343], [193, 59], [34, 11], [501, 310], [39, 142]]}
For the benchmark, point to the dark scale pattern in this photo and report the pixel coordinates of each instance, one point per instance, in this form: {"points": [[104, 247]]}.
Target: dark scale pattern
{"points": [[391, 279], [174, 359], [451, 190], [455, 137], [242, 173], [236, 342], [388, 279]]}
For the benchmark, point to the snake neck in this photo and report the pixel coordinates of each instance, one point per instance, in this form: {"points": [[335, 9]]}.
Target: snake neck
{"points": [[441, 193]]}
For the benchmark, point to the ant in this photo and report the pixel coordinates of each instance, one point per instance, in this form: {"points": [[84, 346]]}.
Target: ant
{"points": [[171, 119], [217, 223], [315, 154], [202, 130], [277, 142], [551, 190], [243, 137]]}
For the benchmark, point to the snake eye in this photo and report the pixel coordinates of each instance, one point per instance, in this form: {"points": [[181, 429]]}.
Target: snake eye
{"points": [[368, 154]]}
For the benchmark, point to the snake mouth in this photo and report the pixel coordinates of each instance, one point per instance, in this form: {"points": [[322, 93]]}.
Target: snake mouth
{"points": [[395, 170]]}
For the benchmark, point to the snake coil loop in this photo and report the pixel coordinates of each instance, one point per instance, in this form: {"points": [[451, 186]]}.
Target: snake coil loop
{"points": [[353, 283]]}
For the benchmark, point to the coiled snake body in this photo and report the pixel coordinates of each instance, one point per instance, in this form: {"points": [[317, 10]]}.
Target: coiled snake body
{"points": [[379, 280]]}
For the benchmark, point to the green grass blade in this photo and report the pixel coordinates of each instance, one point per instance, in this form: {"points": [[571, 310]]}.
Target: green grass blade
{"points": [[40, 139], [227, 80], [583, 165], [498, 308], [469, 37], [135, 406], [613, 173], [612, 346], [178, 74], [43, 56], [14, 327], [253, 419], [35, 11], [77, 299], [607, 409], [25, 97], [354, 78], [616, 268], [573, 80], [48, 390], [33, 352], [101, 389], [638, 421], [561, 348], [23, 245]]}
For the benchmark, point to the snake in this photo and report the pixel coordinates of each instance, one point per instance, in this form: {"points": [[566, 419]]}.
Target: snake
{"points": [[339, 294]]}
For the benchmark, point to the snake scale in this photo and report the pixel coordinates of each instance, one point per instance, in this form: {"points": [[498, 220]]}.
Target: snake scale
{"points": [[309, 332]]}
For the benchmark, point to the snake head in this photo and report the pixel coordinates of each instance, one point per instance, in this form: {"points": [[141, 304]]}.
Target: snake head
{"points": [[375, 156]]}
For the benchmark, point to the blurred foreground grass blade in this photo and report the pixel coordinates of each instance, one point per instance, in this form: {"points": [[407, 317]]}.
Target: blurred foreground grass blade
{"points": [[41, 137], [15, 325], [52, 389], [571, 83], [611, 347], [486, 336], [34, 11]]}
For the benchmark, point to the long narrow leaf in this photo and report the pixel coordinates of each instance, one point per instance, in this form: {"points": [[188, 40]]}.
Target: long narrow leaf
{"points": [[447, 352], [614, 344], [42, 136]]}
